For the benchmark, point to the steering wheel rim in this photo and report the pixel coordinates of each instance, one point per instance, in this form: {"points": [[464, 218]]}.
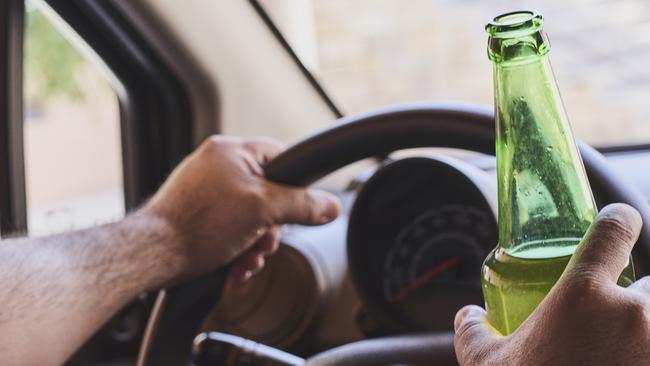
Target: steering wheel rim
{"points": [[349, 140]]}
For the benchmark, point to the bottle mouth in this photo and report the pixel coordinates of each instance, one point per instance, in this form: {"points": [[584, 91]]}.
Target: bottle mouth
{"points": [[515, 23]]}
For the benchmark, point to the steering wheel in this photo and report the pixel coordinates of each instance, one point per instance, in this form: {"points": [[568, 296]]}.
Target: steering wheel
{"points": [[179, 311]]}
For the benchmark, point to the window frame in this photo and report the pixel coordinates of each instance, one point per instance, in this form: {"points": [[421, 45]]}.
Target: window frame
{"points": [[156, 121], [153, 100], [13, 202]]}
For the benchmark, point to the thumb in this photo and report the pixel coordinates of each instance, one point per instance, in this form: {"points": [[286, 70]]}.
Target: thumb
{"points": [[292, 205], [605, 250], [474, 336]]}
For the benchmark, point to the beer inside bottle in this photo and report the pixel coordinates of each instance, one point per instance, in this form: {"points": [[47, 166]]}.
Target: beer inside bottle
{"points": [[545, 202]]}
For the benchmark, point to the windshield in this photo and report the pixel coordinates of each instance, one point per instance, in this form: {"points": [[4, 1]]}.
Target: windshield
{"points": [[373, 53]]}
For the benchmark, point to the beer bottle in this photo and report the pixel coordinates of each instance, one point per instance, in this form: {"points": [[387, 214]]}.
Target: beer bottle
{"points": [[545, 202]]}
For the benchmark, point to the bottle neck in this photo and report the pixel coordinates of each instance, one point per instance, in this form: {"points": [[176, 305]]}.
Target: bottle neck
{"points": [[522, 48], [545, 202]]}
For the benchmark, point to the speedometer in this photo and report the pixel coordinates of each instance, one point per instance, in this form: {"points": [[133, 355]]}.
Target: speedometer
{"points": [[434, 249], [418, 233]]}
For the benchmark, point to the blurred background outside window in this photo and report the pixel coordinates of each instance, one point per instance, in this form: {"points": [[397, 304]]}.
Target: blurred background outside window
{"points": [[372, 53], [73, 157]]}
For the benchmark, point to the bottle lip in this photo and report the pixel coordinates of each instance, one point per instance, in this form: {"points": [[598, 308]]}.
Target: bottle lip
{"points": [[514, 24]]}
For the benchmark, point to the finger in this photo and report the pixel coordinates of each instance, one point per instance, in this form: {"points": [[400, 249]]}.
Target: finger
{"points": [[642, 285], [289, 205], [252, 260], [239, 273], [263, 148], [605, 250], [473, 334], [249, 261], [269, 243]]}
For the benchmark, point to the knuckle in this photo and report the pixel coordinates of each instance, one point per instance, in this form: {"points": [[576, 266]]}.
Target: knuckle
{"points": [[466, 331], [211, 143], [311, 207], [250, 144], [585, 286], [638, 313], [263, 148], [614, 226], [216, 142]]}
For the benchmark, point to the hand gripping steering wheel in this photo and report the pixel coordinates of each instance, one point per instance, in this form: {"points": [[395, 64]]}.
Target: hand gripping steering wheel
{"points": [[179, 311]]}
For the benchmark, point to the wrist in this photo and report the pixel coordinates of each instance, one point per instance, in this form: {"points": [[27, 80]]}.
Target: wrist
{"points": [[163, 255]]}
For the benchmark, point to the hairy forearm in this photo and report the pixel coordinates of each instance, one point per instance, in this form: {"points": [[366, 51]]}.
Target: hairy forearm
{"points": [[56, 291]]}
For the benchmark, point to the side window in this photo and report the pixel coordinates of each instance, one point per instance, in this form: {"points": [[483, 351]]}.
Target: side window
{"points": [[73, 160]]}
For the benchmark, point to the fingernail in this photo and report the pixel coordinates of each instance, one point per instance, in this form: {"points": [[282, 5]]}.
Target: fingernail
{"points": [[247, 275], [331, 206], [260, 264]]}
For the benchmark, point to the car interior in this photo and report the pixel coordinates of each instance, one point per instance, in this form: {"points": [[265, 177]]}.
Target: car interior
{"points": [[384, 104]]}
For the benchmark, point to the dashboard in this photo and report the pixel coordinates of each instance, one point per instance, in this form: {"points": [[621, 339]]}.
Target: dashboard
{"points": [[403, 257]]}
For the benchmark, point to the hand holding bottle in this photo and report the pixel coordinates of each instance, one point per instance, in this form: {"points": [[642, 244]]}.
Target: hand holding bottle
{"points": [[545, 202], [586, 319]]}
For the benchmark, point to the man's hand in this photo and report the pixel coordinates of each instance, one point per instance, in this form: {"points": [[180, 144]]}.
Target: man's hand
{"points": [[214, 209], [222, 208], [586, 319]]}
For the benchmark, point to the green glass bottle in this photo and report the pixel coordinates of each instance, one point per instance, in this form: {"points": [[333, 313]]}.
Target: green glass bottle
{"points": [[545, 202]]}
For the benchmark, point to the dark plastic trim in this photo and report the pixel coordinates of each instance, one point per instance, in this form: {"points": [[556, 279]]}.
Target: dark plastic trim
{"points": [[417, 349], [13, 213], [623, 148], [303, 69], [155, 110], [176, 320]]}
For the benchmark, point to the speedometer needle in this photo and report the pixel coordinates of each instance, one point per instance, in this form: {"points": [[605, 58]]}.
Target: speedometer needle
{"points": [[422, 279]]}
